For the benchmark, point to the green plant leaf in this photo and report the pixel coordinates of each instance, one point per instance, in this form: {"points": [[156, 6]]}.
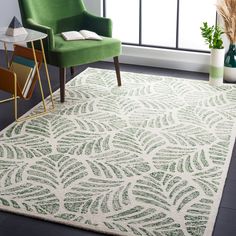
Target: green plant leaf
{"points": [[212, 35]]}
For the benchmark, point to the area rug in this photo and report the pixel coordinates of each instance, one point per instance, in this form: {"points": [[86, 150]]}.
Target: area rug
{"points": [[148, 158]]}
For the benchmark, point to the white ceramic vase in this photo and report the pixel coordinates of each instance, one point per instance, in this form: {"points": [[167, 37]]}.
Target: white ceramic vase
{"points": [[217, 67]]}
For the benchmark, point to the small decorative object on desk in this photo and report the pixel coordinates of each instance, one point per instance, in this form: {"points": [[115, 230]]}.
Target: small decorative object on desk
{"points": [[213, 37], [227, 10], [15, 28]]}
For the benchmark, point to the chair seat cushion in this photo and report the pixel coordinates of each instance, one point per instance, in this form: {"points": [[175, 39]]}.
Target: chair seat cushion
{"points": [[72, 53]]}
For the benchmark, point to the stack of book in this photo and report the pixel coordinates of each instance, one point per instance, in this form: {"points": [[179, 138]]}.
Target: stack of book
{"points": [[25, 70]]}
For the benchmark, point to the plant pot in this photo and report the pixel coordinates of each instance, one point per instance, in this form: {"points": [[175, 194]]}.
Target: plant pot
{"points": [[216, 67], [230, 64]]}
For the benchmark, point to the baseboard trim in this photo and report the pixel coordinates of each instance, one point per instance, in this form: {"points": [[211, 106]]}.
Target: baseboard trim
{"points": [[164, 58]]}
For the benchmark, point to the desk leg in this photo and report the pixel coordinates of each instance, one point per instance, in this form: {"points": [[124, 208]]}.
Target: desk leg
{"points": [[6, 55], [47, 74], [39, 78], [15, 98]]}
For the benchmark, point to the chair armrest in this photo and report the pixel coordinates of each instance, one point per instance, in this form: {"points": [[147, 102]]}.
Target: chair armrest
{"points": [[100, 25], [31, 24]]}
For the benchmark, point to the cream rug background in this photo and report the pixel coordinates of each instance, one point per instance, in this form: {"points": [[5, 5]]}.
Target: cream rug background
{"points": [[148, 158]]}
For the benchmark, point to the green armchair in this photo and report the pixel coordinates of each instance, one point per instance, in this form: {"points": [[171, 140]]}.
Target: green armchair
{"points": [[55, 16]]}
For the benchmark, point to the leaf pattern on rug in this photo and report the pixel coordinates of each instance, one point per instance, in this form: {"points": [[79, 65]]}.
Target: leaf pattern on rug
{"points": [[147, 158]]}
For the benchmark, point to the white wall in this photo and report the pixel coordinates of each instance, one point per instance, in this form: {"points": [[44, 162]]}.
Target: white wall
{"points": [[10, 8], [94, 6]]}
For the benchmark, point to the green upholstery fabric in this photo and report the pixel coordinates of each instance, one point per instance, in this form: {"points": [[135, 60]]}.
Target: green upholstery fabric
{"points": [[56, 16], [72, 53]]}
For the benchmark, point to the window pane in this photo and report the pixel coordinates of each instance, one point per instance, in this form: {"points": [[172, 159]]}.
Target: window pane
{"points": [[125, 18], [159, 22], [192, 14]]}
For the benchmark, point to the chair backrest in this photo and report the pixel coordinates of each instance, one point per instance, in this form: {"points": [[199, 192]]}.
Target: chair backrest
{"points": [[60, 15]]}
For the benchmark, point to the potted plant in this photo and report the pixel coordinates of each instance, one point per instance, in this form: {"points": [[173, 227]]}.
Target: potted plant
{"points": [[227, 10], [213, 37]]}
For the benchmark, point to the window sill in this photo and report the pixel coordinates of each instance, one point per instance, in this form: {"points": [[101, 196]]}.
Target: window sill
{"points": [[165, 58]]}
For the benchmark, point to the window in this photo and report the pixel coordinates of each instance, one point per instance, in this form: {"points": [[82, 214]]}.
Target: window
{"points": [[154, 14], [173, 24], [125, 21], [191, 15]]}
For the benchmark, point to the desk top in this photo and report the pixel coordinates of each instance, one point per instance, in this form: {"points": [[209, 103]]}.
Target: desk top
{"points": [[31, 36]]}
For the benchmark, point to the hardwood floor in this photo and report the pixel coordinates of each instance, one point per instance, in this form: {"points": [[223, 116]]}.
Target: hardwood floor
{"points": [[15, 225]]}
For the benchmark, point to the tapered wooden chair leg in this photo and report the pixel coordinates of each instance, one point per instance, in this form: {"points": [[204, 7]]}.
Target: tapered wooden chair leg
{"points": [[72, 71], [117, 67], [62, 83]]}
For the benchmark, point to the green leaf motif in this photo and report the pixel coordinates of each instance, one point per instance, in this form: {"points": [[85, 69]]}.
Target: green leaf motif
{"points": [[147, 158]]}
